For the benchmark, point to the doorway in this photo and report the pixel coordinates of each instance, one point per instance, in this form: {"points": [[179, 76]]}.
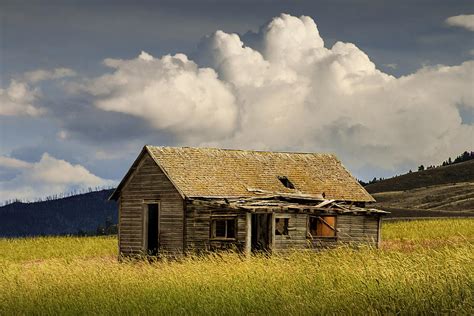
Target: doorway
{"points": [[261, 232], [152, 229]]}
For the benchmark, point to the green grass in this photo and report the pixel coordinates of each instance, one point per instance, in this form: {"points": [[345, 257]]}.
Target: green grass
{"points": [[85, 278]]}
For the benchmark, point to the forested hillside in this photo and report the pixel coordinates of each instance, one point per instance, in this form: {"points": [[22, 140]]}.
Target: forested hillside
{"points": [[88, 213]]}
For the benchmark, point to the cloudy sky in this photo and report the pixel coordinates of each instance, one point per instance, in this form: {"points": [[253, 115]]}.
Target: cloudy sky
{"points": [[85, 84]]}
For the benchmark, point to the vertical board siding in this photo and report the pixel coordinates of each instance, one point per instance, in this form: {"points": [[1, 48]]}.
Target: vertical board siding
{"points": [[148, 182]]}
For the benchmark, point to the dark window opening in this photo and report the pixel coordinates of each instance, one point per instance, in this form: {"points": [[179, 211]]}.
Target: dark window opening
{"points": [[281, 226], [220, 227], [322, 226], [286, 182], [223, 228]]}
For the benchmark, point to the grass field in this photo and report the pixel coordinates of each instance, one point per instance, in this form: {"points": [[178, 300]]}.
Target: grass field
{"points": [[423, 267]]}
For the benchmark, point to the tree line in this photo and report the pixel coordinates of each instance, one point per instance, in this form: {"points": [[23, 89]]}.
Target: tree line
{"points": [[58, 196], [465, 156]]}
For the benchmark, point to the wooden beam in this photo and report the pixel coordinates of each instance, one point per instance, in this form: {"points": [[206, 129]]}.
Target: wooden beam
{"points": [[379, 230], [272, 230], [248, 234], [119, 243]]}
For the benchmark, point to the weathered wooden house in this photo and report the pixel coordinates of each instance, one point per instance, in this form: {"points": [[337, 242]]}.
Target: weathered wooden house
{"points": [[179, 200]]}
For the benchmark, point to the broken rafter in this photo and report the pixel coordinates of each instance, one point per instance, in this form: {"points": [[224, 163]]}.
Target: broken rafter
{"points": [[296, 195], [324, 203]]}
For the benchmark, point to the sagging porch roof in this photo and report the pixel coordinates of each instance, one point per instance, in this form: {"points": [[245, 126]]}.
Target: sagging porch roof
{"points": [[282, 203]]}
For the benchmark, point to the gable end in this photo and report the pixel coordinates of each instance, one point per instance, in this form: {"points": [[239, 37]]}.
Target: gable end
{"points": [[128, 176]]}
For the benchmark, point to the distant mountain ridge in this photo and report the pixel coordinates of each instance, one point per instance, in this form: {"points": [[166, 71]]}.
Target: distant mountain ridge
{"points": [[78, 214]]}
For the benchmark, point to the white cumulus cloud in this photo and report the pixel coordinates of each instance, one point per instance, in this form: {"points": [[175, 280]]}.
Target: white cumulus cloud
{"points": [[172, 93], [46, 177], [22, 96], [464, 20], [293, 93], [19, 99]]}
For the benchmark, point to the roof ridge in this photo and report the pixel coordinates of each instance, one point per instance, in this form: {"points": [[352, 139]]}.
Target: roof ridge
{"points": [[245, 150]]}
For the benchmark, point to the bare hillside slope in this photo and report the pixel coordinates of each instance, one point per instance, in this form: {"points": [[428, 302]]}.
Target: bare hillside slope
{"points": [[443, 191], [456, 173], [438, 200]]}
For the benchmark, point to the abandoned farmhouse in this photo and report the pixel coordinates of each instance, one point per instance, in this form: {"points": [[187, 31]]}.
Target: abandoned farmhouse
{"points": [[178, 200]]}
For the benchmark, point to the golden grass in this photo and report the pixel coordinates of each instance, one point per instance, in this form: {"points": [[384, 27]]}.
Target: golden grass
{"points": [[433, 229], [35, 278], [40, 248]]}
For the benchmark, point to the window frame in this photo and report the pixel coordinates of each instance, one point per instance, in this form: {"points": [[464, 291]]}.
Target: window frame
{"points": [[227, 218], [286, 220], [321, 221]]}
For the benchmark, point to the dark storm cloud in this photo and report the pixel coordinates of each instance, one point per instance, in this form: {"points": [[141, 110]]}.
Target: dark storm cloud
{"points": [[80, 119], [79, 34]]}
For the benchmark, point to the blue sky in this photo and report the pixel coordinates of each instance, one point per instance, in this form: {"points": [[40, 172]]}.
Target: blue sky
{"points": [[84, 84]]}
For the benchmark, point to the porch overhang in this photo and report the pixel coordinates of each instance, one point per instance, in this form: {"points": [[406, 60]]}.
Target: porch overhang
{"points": [[285, 203]]}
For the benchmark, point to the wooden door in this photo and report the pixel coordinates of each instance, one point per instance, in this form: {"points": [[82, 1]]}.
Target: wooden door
{"points": [[261, 232]]}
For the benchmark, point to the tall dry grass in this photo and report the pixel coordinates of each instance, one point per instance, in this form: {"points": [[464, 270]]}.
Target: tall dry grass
{"points": [[447, 229], [40, 248], [423, 280]]}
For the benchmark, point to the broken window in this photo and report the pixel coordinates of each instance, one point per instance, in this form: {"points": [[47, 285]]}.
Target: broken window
{"points": [[223, 228], [322, 226], [281, 226], [286, 182]]}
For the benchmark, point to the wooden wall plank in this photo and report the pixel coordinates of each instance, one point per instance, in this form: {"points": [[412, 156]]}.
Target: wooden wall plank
{"points": [[149, 183]]}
